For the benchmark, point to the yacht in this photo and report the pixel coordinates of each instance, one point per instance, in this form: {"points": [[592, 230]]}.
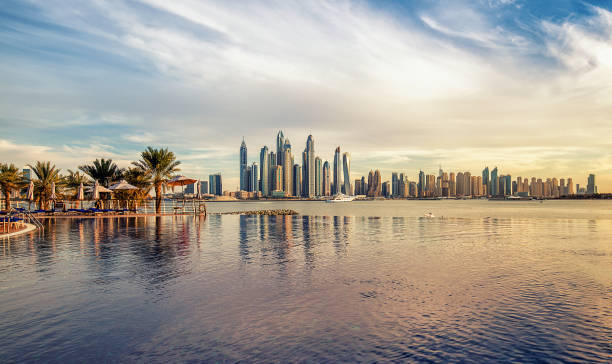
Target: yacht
{"points": [[341, 198]]}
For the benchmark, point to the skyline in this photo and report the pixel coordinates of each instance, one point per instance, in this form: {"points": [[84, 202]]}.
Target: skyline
{"points": [[403, 87], [283, 176]]}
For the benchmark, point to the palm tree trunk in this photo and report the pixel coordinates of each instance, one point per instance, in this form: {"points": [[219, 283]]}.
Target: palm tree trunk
{"points": [[158, 198], [7, 199]]}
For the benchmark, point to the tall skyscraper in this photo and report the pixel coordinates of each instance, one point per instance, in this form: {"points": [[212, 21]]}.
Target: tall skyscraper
{"points": [[280, 144], [346, 171], [318, 177], [287, 168], [310, 165], [591, 186], [255, 177], [421, 184], [297, 180], [494, 183], [277, 178], [264, 163], [485, 179], [215, 184], [244, 182], [326, 179], [394, 185], [374, 184], [337, 177]]}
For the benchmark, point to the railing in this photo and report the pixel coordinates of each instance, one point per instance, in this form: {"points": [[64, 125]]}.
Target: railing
{"points": [[147, 206], [32, 219]]}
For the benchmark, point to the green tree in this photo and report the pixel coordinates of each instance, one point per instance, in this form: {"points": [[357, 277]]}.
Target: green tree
{"points": [[11, 178], [46, 175], [158, 165], [103, 170]]}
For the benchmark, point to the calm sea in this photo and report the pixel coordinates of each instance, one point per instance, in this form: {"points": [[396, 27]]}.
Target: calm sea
{"points": [[482, 281]]}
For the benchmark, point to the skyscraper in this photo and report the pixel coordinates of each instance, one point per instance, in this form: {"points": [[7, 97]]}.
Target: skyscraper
{"points": [[287, 169], [591, 186], [310, 165], [280, 144], [255, 177], [494, 183], [485, 179], [374, 184], [394, 185], [337, 177], [326, 179], [297, 180], [215, 184], [277, 178], [318, 177], [421, 184], [244, 182], [264, 163], [346, 169]]}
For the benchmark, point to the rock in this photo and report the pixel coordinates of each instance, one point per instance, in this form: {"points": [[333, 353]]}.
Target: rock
{"points": [[262, 212]]}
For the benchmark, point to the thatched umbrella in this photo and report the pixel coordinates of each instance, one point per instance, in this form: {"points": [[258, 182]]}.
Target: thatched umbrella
{"points": [[122, 186], [181, 181]]}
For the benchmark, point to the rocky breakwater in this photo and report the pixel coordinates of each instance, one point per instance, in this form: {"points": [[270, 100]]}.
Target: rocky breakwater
{"points": [[262, 212]]}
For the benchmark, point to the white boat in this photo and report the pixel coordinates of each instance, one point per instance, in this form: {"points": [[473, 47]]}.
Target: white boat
{"points": [[341, 198], [429, 215]]}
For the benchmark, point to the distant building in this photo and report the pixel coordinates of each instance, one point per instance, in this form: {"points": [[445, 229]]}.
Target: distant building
{"points": [[277, 178], [394, 185], [318, 177], [254, 184], [215, 184], [264, 170], [203, 187], [374, 184], [326, 179], [27, 174], [244, 182], [591, 188], [297, 180], [337, 177], [346, 172]]}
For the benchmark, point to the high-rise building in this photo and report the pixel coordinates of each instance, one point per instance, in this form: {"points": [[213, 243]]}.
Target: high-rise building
{"points": [[421, 184], [394, 185], [215, 184], [318, 177], [357, 187], [255, 177], [264, 164], [203, 187], [287, 169], [280, 144], [485, 179], [337, 177], [326, 179], [570, 186], [386, 189], [310, 166], [27, 174], [297, 180], [346, 172], [374, 184], [244, 182], [277, 178], [494, 183], [591, 186]]}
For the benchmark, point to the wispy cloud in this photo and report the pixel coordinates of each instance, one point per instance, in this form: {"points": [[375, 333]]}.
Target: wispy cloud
{"points": [[495, 77]]}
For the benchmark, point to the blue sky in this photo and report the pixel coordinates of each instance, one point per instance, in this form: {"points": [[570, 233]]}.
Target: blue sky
{"points": [[402, 86]]}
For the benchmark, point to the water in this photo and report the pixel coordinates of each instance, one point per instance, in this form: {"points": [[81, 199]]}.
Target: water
{"points": [[367, 281]]}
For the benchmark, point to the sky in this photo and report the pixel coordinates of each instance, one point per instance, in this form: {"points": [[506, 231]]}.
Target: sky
{"points": [[401, 86]]}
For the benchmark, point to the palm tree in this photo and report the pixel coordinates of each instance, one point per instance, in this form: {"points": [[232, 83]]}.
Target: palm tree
{"points": [[46, 175], [103, 170], [159, 165], [10, 179]]}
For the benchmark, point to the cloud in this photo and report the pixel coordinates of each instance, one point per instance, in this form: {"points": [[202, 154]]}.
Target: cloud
{"points": [[396, 87]]}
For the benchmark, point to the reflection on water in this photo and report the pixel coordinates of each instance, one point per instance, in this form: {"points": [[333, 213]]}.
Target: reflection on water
{"points": [[346, 288]]}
